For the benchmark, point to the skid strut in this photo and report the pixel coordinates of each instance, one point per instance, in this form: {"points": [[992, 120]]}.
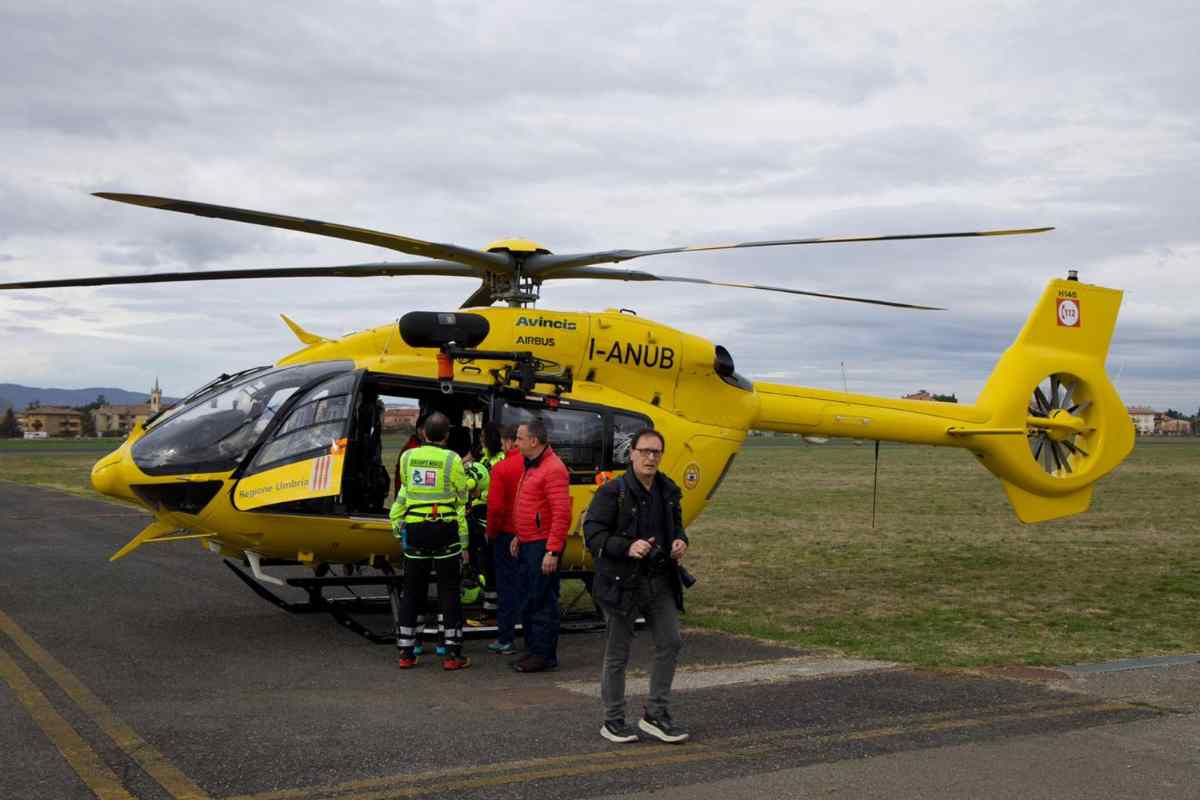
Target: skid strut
{"points": [[574, 619]]}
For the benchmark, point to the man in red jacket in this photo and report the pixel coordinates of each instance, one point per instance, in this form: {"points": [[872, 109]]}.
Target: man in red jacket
{"points": [[542, 515], [502, 490]]}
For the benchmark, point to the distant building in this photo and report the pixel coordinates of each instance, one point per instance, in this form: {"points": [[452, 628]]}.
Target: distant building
{"points": [[921, 395], [1166, 426], [118, 420], [396, 419], [51, 421], [1143, 419]]}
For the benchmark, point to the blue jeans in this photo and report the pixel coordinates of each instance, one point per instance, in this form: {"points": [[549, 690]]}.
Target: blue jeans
{"points": [[508, 586], [539, 610]]}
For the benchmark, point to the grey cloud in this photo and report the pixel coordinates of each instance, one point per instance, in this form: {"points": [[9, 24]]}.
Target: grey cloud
{"points": [[150, 72], [188, 247]]}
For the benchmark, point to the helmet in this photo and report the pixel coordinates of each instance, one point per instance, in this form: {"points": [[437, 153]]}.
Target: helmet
{"points": [[472, 585], [477, 475], [477, 470]]}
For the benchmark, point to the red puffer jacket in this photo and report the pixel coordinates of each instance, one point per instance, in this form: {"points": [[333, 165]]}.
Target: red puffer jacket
{"points": [[543, 504], [502, 491]]}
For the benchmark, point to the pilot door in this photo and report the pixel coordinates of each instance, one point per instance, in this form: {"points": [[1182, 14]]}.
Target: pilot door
{"points": [[303, 457]]}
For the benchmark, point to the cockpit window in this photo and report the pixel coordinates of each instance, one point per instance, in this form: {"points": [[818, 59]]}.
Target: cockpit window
{"points": [[317, 420], [576, 435], [624, 427], [215, 431]]}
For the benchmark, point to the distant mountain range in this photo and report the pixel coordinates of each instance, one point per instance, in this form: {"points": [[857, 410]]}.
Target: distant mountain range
{"points": [[17, 397]]}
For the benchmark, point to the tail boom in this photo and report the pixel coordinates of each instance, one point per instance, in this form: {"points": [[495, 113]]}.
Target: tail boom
{"points": [[1049, 423]]}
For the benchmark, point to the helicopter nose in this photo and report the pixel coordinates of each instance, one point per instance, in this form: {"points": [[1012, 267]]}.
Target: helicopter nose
{"points": [[108, 477]]}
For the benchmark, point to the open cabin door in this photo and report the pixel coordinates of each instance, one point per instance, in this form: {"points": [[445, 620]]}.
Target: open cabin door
{"points": [[305, 455]]}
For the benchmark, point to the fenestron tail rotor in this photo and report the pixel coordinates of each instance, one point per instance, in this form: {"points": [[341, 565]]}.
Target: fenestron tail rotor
{"points": [[1058, 426]]}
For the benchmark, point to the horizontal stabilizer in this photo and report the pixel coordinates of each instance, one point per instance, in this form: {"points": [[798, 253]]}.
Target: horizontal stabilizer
{"points": [[151, 531]]}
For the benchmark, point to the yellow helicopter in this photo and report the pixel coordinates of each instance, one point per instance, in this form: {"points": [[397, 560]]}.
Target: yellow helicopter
{"points": [[281, 464]]}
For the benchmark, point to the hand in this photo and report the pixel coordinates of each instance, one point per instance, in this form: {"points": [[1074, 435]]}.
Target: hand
{"points": [[513, 546], [678, 548], [549, 564], [639, 549]]}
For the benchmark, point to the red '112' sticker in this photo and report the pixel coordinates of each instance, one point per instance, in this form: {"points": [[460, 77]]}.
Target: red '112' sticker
{"points": [[1068, 312]]}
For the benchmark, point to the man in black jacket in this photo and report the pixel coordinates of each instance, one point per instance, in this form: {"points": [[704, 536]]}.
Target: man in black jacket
{"points": [[634, 530]]}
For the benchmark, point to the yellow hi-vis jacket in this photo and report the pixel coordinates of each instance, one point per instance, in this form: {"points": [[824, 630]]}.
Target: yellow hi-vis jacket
{"points": [[433, 486]]}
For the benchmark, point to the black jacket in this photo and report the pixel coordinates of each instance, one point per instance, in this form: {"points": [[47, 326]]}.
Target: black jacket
{"points": [[611, 527]]}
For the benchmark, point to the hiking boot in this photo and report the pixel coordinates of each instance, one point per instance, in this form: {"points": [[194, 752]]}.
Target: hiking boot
{"points": [[455, 662], [502, 648], [418, 650], [615, 730], [408, 659], [662, 728], [535, 663]]}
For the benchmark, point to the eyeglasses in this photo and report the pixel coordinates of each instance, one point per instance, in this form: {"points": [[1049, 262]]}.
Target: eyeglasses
{"points": [[648, 452]]}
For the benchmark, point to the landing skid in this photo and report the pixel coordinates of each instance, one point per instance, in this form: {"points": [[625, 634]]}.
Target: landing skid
{"points": [[573, 619], [337, 607]]}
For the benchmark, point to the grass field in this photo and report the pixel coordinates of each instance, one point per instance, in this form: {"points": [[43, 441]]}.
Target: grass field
{"points": [[947, 576]]}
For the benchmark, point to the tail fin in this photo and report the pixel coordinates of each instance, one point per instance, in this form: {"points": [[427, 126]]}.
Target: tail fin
{"points": [[1050, 390]]}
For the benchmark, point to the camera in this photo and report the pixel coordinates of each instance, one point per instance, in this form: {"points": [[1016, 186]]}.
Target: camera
{"points": [[686, 578], [657, 559]]}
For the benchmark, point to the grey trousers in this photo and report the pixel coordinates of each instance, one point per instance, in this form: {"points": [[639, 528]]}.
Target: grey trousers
{"points": [[656, 603]]}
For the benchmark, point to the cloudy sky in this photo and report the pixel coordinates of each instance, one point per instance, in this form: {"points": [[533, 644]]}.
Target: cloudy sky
{"points": [[593, 126]]}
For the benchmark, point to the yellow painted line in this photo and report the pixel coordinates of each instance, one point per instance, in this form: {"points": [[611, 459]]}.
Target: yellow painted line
{"points": [[537, 775], [715, 751], [468, 771], [580, 764], [178, 785], [98, 778]]}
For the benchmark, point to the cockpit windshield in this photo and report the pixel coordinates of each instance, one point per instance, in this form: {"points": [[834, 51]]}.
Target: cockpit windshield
{"points": [[215, 431]]}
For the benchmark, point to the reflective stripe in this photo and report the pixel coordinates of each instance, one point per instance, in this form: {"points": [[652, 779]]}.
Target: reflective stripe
{"points": [[405, 644], [407, 631], [455, 551]]}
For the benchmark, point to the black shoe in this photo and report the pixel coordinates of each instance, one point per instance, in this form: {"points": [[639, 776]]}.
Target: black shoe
{"points": [[617, 731], [535, 663], [663, 729]]}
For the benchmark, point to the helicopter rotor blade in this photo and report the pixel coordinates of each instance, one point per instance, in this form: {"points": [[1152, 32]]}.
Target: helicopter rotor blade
{"points": [[604, 273], [480, 297], [404, 244], [552, 264], [377, 269]]}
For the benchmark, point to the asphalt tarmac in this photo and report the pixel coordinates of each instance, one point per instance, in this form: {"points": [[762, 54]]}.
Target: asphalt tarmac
{"points": [[162, 676]]}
